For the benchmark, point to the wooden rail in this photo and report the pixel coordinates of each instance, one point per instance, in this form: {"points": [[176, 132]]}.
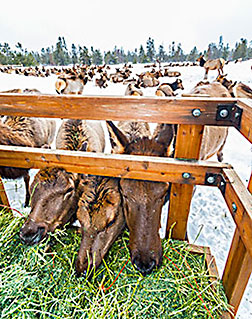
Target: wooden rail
{"points": [[191, 114], [123, 166]]}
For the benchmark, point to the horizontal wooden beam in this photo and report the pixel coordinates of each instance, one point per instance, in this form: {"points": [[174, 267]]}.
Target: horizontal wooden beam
{"points": [[146, 109], [239, 201], [125, 166]]}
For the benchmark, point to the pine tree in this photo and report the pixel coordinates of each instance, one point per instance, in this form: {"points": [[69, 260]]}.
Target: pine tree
{"points": [[96, 56], [241, 49], [193, 55], [74, 55], [161, 53], [150, 48], [142, 57], [84, 55]]}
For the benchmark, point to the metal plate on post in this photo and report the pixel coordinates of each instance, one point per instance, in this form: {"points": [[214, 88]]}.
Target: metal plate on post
{"points": [[229, 112]]}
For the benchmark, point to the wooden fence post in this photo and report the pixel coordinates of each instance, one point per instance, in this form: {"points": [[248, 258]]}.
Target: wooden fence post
{"points": [[238, 268], [188, 144], [3, 197]]}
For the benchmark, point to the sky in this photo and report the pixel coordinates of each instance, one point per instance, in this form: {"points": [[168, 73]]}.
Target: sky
{"points": [[105, 24]]}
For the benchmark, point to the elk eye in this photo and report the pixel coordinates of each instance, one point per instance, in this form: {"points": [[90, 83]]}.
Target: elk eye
{"points": [[68, 193], [110, 223], [70, 189]]}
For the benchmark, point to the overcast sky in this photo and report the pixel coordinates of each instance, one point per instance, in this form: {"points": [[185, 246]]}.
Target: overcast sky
{"points": [[106, 23]]}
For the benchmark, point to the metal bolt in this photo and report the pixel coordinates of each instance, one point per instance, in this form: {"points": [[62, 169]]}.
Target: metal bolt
{"points": [[234, 207], [186, 175], [224, 113], [237, 115], [211, 179], [196, 112]]}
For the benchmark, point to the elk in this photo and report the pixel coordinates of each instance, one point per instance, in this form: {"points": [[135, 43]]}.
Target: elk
{"points": [[55, 191], [143, 200], [214, 138], [60, 197], [72, 84], [24, 131], [168, 89], [100, 214], [240, 89], [216, 64]]}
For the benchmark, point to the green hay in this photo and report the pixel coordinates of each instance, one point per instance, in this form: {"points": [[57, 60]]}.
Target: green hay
{"points": [[40, 281]]}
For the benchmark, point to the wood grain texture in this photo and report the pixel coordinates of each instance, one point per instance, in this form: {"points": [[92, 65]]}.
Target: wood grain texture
{"points": [[188, 144], [3, 196], [124, 166], [147, 109], [238, 268]]}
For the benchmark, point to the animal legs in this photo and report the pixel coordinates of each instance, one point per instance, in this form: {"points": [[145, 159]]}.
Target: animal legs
{"points": [[205, 77]]}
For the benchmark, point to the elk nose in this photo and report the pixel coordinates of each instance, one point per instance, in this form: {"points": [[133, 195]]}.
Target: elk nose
{"points": [[29, 237], [145, 268]]}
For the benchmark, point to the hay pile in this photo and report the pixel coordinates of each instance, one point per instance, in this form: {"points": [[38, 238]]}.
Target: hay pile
{"points": [[40, 281]]}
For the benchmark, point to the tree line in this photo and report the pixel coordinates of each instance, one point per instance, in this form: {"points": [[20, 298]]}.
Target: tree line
{"points": [[60, 54]]}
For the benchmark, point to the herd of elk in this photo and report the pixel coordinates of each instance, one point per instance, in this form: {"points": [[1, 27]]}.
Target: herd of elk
{"points": [[103, 205]]}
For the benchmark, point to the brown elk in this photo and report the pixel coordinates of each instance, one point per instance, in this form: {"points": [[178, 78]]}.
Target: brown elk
{"points": [[168, 89], [72, 84], [240, 89], [23, 131], [133, 90], [142, 200], [101, 217], [58, 196], [216, 64], [147, 79], [48, 208], [214, 138], [54, 202]]}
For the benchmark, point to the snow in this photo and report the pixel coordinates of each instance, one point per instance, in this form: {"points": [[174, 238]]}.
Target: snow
{"points": [[210, 222]]}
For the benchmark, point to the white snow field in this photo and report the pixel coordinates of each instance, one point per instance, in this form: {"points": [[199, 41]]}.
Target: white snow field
{"points": [[210, 222]]}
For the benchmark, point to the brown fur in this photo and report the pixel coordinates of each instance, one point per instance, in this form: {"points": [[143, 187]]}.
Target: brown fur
{"points": [[132, 90], [143, 200], [216, 64], [23, 131], [58, 195], [74, 134], [239, 90], [54, 201], [168, 89], [101, 216], [71, 84], [243, 91], [214, 138], [41, 131]]}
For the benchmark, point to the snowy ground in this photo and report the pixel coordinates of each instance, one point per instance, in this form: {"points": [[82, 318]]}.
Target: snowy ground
{"points": [[210, 222]]}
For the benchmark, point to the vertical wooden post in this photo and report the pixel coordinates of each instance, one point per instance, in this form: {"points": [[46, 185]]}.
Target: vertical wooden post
{"points": [[188, 144], [238, 268], [3, 197]]}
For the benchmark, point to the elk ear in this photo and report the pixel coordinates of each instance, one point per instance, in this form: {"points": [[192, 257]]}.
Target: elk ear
{"points": [[117, 139], [232, 85], [165, 134], [83, 147]]}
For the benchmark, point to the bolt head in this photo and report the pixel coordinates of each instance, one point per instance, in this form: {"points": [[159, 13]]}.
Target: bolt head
{"points": [[234, 207], [186, 175], [196, 112], [211, 179], [224, 113]]}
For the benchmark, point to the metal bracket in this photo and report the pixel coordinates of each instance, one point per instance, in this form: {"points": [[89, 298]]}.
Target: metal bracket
{"points": [[231, 113], [216, 180]]}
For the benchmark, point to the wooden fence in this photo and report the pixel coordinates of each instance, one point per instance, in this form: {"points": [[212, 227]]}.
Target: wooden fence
{"points": [[184, 171]]}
